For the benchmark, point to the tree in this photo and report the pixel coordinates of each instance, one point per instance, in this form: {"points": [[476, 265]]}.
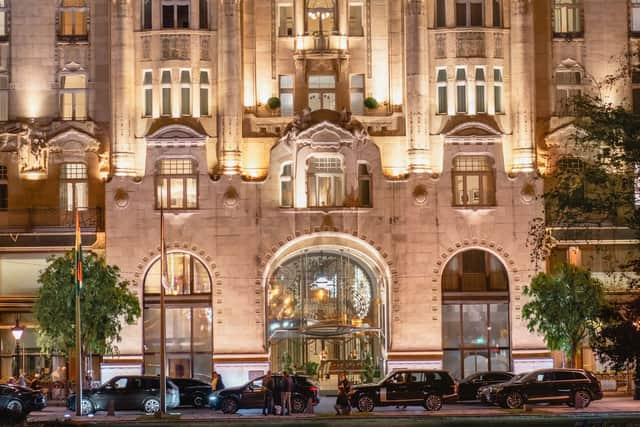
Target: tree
{"points": [[105, 302], [617, 340], [564, 307]]}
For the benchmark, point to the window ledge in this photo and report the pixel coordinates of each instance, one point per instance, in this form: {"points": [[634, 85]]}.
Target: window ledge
{"points": [[340, 209], [475, 208], [176, 211], [568, 37]]}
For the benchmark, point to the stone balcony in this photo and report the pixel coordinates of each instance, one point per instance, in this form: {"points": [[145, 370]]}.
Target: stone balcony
{"points": [[468, 42], [167, 45]]}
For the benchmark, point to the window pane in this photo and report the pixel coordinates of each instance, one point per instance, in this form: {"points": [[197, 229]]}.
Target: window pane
{"points": [[442, 100], [183, 16], [635, 18], [451, 325], [357, 103], [79, 28], [461, 14], [461, 99], [151, 329], [202, 367], [82, 195], [476, 14], [4, 196], [451, 362], [355, 20], [286, 82], [4, 105], [202, 329], [473, 190], [497, 13], [67, 106], [167, 16], [204, 101], [500, 360], [178, 329], [166, 77], [176, 193], [475, 361], [357, 81], [192, 193], [146, 14], [204, 77], [442, 76], [499, 332], [166, 101], [185, 97], [364, 192], [440, 13], [474, 325], [81, 106], [148, 102], [285, 28], [286, 104], [66, 23], [314, 101], [185, 76], [480, 101], [480, 74], [497, 93], [201, 280], [286, 194], [458, 190], [204, 15]]}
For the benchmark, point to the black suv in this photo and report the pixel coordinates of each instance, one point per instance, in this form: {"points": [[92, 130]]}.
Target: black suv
{"points": [[405, 387], [251, 395], [468, 387], [570, 386], [193, 392]]}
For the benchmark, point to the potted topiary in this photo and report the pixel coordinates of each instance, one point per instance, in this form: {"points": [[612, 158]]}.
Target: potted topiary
{"points": [[371, 103], [274, 105]]}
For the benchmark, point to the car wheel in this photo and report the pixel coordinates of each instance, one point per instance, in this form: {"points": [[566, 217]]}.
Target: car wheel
{"points": [[151, 406], [433, 402], [86, 407], [229, 406], [365, 404], [198, 401], [514, 400], [297, 405], [582, 395], [14, 407]]}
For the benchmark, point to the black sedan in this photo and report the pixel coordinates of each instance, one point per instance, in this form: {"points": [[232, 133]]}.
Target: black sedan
{"points": [[468, 387], [17, 401], [193, 392]]}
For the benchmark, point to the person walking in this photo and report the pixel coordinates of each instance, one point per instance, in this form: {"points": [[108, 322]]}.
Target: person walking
{"points": [[216, 381], [343, 406], [269, 387], [287, 389]]}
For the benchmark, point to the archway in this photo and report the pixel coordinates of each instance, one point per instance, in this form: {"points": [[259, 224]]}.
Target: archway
{"points": [[475, 314], [189, 317]]}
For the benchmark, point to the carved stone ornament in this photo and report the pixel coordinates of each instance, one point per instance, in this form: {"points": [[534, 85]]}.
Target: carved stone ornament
{"points": [[420, 195], [528, 192], [121, 198], [324, 129], [231, 198]]}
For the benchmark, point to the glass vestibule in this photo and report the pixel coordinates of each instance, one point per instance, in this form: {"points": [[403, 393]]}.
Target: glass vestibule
{"points": [[475, 314]]}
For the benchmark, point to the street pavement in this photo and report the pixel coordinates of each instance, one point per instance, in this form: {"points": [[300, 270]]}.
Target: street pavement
{"points": [[610, 408]]}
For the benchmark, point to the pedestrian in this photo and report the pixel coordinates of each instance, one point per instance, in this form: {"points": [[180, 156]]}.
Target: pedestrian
{"points": [[343, 406], [287, 389], [216, 381], [269, 387], [22, 382]]}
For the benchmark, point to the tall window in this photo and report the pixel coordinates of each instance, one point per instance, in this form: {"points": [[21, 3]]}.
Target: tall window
{"points": [[635, 85], [469, 13], [175, 13], [497, 13], [73, 97], [4, 29], [442, 90], [325, 181], [147, 93], [364, 185], [204, 93], [441, 13], [73, 15], [322, 92], [357, 93], [321, 17], [355, 19], [635, 16], [147, 15], [568, 87], [204, 14], [566, 17], [497, 91], [474, 181], [286, 186], [74, 186], [461, 90], [4, 188], [176, 184], [286, 95], [185, 92], [285, 20], [165, 83], [481, 90], [4, 97]]}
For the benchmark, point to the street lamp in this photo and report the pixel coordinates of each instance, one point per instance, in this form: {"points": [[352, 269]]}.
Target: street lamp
{"points": [[17, 332]]}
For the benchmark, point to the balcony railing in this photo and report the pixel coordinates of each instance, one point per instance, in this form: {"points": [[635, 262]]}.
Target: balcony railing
{"points": [[36, 219]]}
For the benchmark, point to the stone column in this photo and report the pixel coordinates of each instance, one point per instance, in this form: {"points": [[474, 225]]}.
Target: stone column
{"points": [[230, 84], [123, 92], [417, 86], [343, 12], [299, 18], [522, 85], [249, 54]]}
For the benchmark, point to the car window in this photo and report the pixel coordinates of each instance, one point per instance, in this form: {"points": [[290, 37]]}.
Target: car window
{"points": [[546, 376], [134, 384], [256, 384], [399, 378], [120, 383]]}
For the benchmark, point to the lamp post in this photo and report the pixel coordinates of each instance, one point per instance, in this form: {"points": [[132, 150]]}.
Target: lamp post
{"points": [[17, 332]]}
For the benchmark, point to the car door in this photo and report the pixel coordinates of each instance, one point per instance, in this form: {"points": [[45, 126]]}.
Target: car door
{"points": [[540, 387], [135, 393], [397, 388], [564, 384], [419, 384], [113, 390], [253, 394]]}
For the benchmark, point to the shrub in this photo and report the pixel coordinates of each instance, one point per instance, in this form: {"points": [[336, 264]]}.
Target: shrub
{"points": [[371, 103], [273, 103]]}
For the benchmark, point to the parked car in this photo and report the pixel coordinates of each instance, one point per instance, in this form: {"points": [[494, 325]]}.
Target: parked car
{"points": [[468, 387], [127, 392], [17, 401], [405, 387], [551, 386], [193, 392], [486, 394], [251, 395]]}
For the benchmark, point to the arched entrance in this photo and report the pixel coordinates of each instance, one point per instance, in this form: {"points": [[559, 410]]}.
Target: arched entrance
{"points": [[326, 313], [475, 314], [188, 318]]}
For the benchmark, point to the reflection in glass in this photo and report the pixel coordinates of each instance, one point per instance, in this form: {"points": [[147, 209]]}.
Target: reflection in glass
{"points": [[451, 325], [186, 275]]}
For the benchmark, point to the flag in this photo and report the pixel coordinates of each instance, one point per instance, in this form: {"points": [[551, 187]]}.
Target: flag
{"points": [[78, 254], [164, 280]]}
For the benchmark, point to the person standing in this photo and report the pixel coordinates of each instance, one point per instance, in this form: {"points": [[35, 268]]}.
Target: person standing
{"points": [[269, 386], [343, 406], [287, 388], [216, 382]]}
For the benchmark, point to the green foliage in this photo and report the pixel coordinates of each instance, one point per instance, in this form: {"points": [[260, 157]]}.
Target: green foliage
{"points": [[369, 369], [371, 103], [287, 363], [105, 302], [311, 368], [616, 341], [564, 307], [273, 103]]}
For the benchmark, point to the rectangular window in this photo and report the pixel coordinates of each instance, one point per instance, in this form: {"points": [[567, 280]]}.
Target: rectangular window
{"points": [[176, 184], [285, 23], [473, 181], [286, 95], [357, 94], [175, 13], [469, 13], [567, 17], [481, 101], [185, 92], [204, 93], [497, 91], [73, 19], [441, 14], [364, 185], [286, 186], [322, 92], [325, 182], [568, 87], [497, 13], [4, 30], [461, 90], [355, 20], [635, 16], [73, 97], [166, 93], [4, 98], [4, 188], [147, 93], [146, 15], [442, 91], [74, 186], [204, 14]]}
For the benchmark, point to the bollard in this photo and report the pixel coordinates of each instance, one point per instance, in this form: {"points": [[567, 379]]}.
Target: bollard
{"points": [[111, 408]]}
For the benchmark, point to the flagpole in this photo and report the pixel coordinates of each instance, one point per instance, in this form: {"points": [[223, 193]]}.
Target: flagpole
{"points": [[163, 320], [78, 282]]}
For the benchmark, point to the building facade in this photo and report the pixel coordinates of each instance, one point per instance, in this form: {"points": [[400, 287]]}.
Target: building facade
{"points": [[347, 183]]}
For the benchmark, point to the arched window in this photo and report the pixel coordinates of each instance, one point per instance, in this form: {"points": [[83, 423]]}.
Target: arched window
{"points": [[189, 318], [475, 314], [321, 17], [325, 181], [474, 181]]}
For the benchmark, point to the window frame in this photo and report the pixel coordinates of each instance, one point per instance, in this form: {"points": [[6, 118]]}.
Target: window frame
{"points": [[186, 109], [72, 12], [480, 84], [147, 88], [205, 88], [468, 19], [570, 90], [4, 19], [338, 198], [78, 184], [163, 87], [484, 194], [284, 31], [282, 90], [176, 4], [442, 89], [464, 84], [75, 116], [4, 185], [498, 91], [164, 201], [561, 23], [365, 177], [286, 178], [357, 90], [321, 91]]}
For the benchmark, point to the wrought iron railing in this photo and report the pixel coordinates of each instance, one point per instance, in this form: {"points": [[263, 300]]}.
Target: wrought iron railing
{"points": [[32, 219]]}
